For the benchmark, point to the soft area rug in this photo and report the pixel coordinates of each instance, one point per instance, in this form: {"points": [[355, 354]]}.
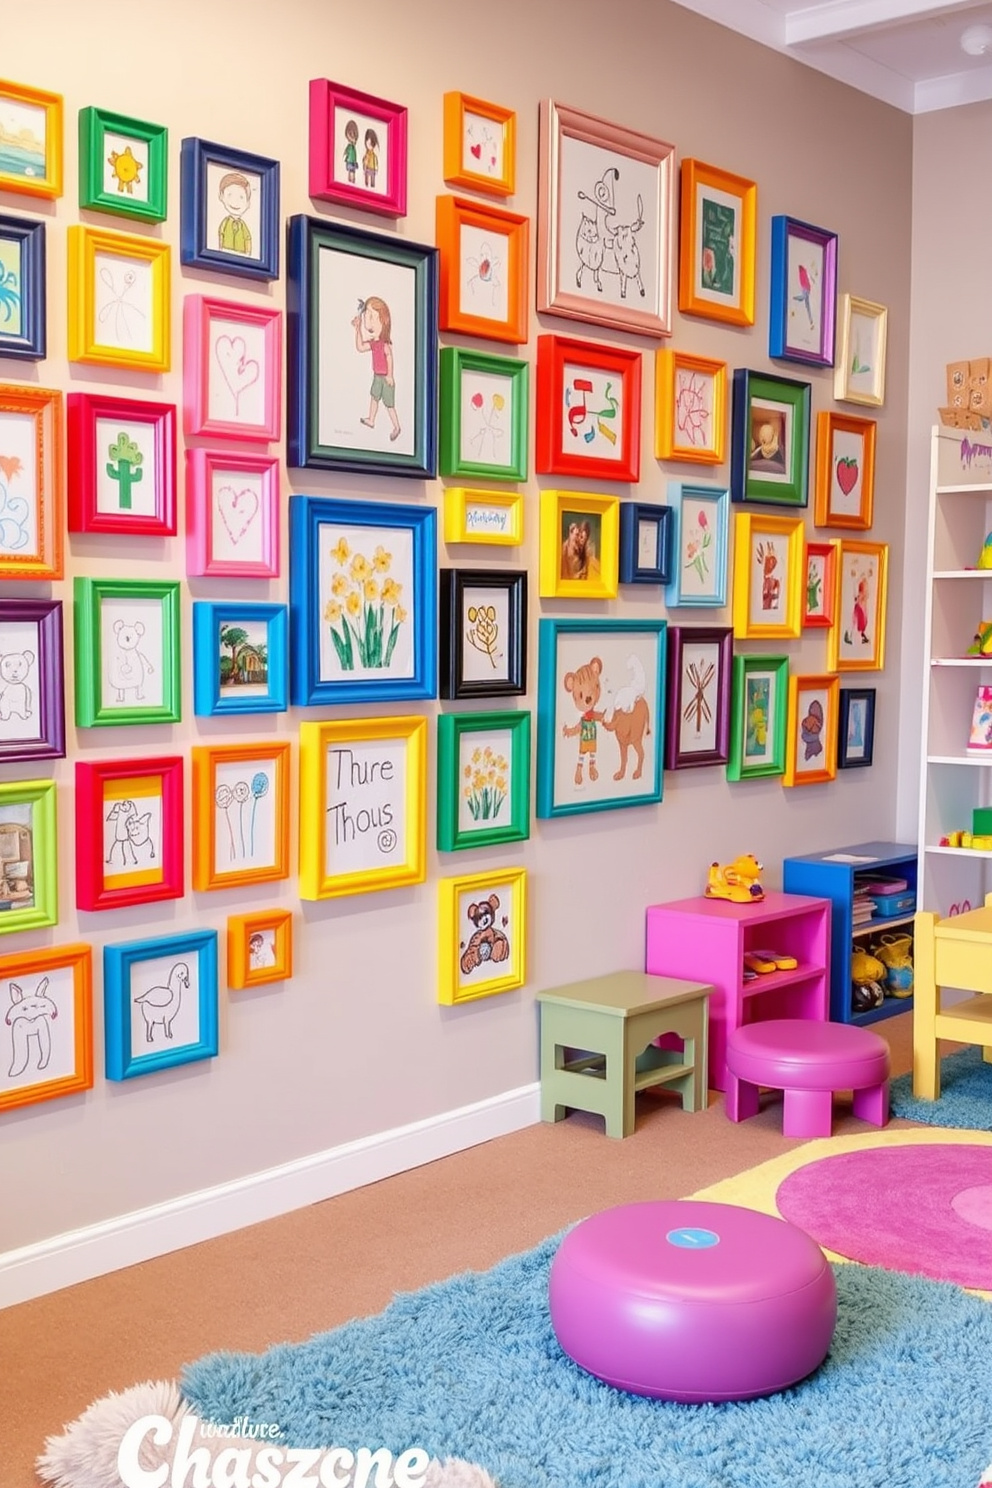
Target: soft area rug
{"points": [[965, 1094]]}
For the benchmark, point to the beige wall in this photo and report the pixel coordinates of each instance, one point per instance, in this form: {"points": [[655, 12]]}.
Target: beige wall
{"points": [[356, 1042]]}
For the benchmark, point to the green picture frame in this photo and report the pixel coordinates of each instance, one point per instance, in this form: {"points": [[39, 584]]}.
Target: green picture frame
{"points": [[142, 165], [475, 389], [472, 792], [127, 652], [759, 710], [769, 460], [29, 887]]}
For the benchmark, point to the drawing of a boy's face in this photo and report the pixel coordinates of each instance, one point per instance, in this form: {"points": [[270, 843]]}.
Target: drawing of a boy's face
{"points": [[236, 196]]}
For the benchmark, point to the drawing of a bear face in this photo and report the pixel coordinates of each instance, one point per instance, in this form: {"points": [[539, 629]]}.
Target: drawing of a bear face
{"points": [[484, 915], [584, 684], [15, 666], [128, 636]]}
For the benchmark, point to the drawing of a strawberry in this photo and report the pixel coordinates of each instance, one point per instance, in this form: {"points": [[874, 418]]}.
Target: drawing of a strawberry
{"points": [[847, 474]]}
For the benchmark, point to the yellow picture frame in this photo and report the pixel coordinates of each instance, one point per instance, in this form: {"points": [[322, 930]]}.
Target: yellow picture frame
{"points": [[351, 808], [29, 180], [495, 518], [482, 925], [119, 309], [245, 824], [690, 418], [814, 735], [856, 640], [259, 948], [580, 545], [763, 546]]}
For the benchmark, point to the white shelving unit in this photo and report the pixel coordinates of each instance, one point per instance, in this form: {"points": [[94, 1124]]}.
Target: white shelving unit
{"points": [[958, 598]]}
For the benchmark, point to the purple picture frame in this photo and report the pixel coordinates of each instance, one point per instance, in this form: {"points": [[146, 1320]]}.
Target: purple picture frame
{"points": [[698, 697], [32, 688], [795, 344]]}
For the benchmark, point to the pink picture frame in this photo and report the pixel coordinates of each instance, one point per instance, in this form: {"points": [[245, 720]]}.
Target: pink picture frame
{"points": [[121, 465], [232, 514], [232, 355], [357, 149]]}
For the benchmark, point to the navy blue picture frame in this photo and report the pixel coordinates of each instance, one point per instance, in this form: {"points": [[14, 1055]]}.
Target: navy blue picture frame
{"points": [[195, 156], [632, 571], [846, 760], [29, 344], [308, 239]]}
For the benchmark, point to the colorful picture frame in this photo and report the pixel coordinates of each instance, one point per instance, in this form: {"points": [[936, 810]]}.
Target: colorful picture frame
{"points": [[363, 805], [600, 715], [484, 414], [259, 948], [46, 1023], [768, 576], [856, 641], [122, 465], [814, 706], [820, 586], [482, 935], [240, 658], [31, 482], [803, 313], [159, 1003], [232, 356], [129, 832], [33, 118], [483, 633], [690, 421], [232, 514], [358, 149], [759, 713], [856, 729], [603, 441], [29, 890], [32, 680], [717, 244], [580, 545], [229, 214], [346, 644], [23, 315], [605, 235], [700, 659], [859, 374], [483, 258], [240, 814], [126, 636], [845, 471], [700, 531], [493, 518], [120, 311], [123, 165], [483, 779], [338, 419], [769, 455], [480, 145], [645, 543]]}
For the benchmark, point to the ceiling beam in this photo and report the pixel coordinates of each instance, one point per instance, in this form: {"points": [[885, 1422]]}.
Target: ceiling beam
{"points": [[845, 18]]}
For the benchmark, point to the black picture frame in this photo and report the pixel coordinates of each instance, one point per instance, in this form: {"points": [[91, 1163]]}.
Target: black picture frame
{"points": [[456, 585], [849, 697]]}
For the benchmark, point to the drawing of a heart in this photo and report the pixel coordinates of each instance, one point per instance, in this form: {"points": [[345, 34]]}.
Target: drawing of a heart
{"points": [[237, 510], [476, 151], [238, 370], [847, 475]]}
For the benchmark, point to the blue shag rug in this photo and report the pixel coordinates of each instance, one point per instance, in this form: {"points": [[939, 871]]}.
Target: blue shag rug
{"points": [[965, 1094], [471, 1368]]}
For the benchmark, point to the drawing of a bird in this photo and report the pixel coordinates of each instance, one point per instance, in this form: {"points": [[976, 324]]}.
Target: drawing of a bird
{"points": [[161, 1004], [805, 290]]}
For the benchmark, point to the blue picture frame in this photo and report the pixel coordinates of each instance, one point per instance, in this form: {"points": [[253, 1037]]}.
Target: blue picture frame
{"points": [[22, 289], [216, 687], [342, 264], [634, 517], [323, 571], [699, 567], [812, 294], [173, 992], [573, 725], [202, 166]]}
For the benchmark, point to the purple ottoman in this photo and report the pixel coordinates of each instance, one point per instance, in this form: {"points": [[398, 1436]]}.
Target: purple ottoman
{"points": [[808, 1061], [690, 1301]]}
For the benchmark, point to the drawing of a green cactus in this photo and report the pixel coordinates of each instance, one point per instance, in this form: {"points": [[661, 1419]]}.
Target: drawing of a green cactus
{"points": [[128, 469]]}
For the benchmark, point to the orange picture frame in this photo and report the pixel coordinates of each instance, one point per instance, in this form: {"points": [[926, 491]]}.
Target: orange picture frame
{"points": [[484, 253], [468, 121], [31, 472], [811, 732], [717, 244], [845, 471], [240, 813], [690, 408], [259, 948], [36, 1030], [35, 161]]}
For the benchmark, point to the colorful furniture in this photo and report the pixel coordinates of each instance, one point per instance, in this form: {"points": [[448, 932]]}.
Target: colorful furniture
{"points": [[808, 1061], [955, 952], [597, 1051], [707, 939], [683, 1300]]}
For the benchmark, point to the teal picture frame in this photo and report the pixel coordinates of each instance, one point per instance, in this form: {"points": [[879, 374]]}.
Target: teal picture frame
{"points": [[758, 744], [700, 544], [482, 785], [145, 153], [472, 414], [164, 996], [126, 652]]}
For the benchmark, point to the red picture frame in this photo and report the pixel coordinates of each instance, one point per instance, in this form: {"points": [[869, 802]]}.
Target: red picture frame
{"points": [[149, 835], [602, 442], [821, 615], [329, 141], [128, 461]]}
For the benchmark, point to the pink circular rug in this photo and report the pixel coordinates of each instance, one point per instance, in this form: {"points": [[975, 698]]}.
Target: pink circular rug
{"points": [[925, 1209]]}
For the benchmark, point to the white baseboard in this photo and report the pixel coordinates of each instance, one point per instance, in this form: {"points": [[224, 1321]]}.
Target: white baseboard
{"points": [[78, 1255]]}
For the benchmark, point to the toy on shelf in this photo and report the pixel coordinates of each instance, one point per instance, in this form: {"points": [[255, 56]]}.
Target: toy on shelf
{"points": [[982, 643], [738, 881], [896, 954], [971, 841], [867, 981], [969, 395], [980, 737]]}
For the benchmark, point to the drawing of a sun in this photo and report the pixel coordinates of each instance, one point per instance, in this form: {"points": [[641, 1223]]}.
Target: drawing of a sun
{"points": [[125, 168]]}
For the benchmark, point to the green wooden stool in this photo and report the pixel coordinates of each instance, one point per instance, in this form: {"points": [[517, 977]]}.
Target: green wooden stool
{"points": [[609, 1023]]}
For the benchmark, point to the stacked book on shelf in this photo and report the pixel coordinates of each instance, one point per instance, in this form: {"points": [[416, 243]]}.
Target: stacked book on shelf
{"points": [[876, 898], [862, 904]]}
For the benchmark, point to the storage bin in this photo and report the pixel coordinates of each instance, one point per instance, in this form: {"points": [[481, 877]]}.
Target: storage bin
{"points": [[887, 905]]}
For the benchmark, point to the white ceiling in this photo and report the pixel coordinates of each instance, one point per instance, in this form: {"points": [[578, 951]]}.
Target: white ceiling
{"points": [[906, 52]]}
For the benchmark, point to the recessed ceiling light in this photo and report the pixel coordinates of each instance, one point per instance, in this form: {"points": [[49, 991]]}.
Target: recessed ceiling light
{"points": [[976, 40]]}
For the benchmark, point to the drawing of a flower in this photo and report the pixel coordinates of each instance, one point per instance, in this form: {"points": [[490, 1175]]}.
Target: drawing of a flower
{"points": [[709, 266], [341, 552], [363, 613], [360, 569], [700, 538], [486, 791], [381, 560]]}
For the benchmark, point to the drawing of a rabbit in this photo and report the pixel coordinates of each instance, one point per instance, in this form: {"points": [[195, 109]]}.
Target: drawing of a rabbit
{"points": [[27, 1018]]}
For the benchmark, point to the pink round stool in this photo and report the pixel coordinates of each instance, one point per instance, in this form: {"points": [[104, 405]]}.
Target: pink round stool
{"points": [[808, 1061], [683, 1300]]}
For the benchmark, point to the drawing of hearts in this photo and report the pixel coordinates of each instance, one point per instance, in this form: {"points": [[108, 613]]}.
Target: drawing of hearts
{"points": [[237, 510], [476, 151], [847, 474], [238, 370]]}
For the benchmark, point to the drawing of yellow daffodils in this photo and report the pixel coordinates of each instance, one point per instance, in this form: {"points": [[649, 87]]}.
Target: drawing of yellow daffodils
{"points": [[485, 787], [364, 614]]}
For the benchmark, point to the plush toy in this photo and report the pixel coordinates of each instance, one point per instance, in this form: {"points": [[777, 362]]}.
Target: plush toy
{"points": [[896, 953], [736, 881], [868, 979]]}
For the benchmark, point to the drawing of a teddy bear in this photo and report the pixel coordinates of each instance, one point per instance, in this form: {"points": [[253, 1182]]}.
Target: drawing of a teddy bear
{"points": [[15, 694], [126, 665], [487, 943]]}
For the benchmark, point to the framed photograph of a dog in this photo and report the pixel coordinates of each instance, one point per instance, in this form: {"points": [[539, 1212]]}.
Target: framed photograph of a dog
{"points": [[580, 545]]}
